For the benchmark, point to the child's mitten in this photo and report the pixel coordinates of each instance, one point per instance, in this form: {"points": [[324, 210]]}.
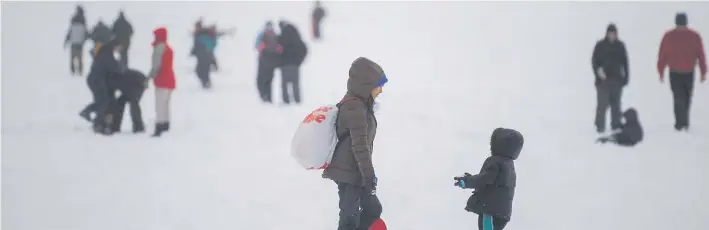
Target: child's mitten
{"points": [[460, 181]]}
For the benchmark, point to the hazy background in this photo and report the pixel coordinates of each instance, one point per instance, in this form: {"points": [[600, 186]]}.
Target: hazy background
{"points": [[457, 70]]}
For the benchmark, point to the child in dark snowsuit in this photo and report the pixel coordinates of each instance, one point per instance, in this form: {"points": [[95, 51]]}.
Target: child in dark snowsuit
{"points": [[631, 132], [495, 184]]}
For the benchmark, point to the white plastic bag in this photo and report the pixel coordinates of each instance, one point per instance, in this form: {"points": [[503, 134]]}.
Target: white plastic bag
{"points": [[316, 138]]}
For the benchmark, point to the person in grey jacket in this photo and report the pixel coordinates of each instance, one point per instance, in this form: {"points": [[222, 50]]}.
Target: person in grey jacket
{"points": [[76, 37], [495, 184], [351, 167]]}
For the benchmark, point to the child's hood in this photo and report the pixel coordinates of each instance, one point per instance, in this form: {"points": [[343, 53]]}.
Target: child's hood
{"points": [[506, 143], [631, 115]]}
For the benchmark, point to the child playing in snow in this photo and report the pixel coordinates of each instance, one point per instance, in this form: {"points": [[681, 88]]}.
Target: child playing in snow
{"points": [[495, 184], [631, 132]]}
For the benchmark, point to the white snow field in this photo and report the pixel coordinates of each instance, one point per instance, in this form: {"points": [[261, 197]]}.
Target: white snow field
{"points": [[457, 70]]}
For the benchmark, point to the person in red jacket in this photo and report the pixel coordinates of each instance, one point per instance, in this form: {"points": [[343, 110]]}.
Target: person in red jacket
{"points": [[681, 49], [163, 77]]}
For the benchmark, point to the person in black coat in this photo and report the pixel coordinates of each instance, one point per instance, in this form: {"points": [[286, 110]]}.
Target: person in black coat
{"points": [[123, 31], [79, 15], [103, 67], [610, 68], [318, 15], [100, 35], [631, 133], [495, 184], [294, 53], [132, 85], [269, 52]]}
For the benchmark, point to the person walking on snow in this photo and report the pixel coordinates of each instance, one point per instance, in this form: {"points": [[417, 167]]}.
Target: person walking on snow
{"points": [[294, 53], [610, 68], [269, 52], [318, 15], [76, 36], [351, 167], [124, 32], [681, 49], [163, 77]]}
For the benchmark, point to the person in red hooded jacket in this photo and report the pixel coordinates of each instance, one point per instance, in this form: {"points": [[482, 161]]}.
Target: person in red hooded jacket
{"points": [[681, 50], [163, 77]]}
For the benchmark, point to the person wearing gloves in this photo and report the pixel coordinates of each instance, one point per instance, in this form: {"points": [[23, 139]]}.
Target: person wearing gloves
{"points": [[610, 67], [76, 37], [163, 77], [351, 167], [495, 184]]}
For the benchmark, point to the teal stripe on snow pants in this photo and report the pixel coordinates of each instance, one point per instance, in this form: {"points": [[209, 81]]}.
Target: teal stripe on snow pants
{"points": [[488, 223]]}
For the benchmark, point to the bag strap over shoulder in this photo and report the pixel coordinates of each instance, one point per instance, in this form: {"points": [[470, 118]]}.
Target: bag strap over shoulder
{"points": [[337, 119], [346, 99]]}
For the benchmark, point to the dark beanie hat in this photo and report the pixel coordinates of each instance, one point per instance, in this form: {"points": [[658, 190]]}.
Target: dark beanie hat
{"points": [[681, 19], [611, 28]]}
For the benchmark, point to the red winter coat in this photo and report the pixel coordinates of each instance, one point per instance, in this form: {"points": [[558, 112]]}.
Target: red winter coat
{"points": [[681, 49], [165, 77]]}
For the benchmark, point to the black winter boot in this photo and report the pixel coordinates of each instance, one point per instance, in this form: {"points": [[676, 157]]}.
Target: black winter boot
{"points": [[86, 114], [138, 128], [167, 126], [159, 129]]}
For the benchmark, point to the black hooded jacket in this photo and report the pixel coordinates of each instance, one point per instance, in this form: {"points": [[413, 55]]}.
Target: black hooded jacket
{"points": [[632, 132], [101, 33], [122, 29], [78, 16], [105, 64], [612, 57], [294, 49], [495, 184]]}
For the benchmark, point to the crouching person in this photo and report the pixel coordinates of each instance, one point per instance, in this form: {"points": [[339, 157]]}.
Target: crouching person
{"points": [[163, 76], [631, 132], [495, 184], [132, 85]]}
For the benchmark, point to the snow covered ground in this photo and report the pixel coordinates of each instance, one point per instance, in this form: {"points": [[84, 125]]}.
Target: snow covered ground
{"points": [[456, 70]]}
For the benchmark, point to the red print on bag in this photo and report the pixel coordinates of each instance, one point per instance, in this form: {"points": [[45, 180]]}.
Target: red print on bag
{"points": [[318, 115]]}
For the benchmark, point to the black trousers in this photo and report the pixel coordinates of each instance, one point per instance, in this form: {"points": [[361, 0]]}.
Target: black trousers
{"points": [[102, 98], [264, 80], [203, 70], [682, 85], [358, 209], [136, 115], [124, 53], [290, 83], [608, 94], [316, 29]]}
